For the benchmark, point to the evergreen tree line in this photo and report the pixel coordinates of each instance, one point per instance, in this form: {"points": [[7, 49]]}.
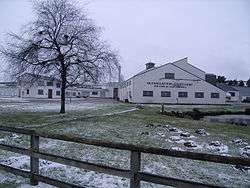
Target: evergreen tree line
{"points": [[235, 82]]}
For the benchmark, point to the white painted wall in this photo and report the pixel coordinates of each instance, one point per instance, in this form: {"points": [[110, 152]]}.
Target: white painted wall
{"points": [[8, 91], [183, 63], [235, 98], [190, 83]]}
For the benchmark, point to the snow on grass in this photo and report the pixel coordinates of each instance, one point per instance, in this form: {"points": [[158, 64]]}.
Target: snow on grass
{"points": [[126, 124], [45, 105]]}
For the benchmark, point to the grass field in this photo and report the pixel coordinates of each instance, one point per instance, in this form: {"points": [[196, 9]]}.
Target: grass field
{"points": [[125, 123]]}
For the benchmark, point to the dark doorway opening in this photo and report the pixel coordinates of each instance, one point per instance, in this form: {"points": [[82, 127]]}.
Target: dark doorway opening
{"points": [[50, 91], [115, 93]]}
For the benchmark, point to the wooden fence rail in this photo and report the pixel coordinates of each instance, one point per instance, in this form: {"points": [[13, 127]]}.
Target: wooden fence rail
{"points": [[134, 173]]}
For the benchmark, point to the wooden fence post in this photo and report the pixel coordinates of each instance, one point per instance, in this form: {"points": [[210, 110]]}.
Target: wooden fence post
{"points": [[135, 167], [34, 162], [162, 108]]}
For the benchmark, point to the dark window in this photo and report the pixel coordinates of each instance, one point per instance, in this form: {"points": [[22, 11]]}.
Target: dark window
{"points": [[215, 95], [74, 93], [40, 83], [147, 93], [94, 93], [58, 93], [232, 94], [183, 94], [165, 94], [199, 94], [28, 91], [169, 75], [58, 85], [130, 94], [40, 92], [49, 83]]}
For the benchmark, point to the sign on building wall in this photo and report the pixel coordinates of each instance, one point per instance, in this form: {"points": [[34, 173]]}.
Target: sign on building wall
{"points": [[169, 84]]}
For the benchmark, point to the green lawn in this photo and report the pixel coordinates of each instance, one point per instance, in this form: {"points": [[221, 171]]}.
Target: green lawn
{"points": [[90, 122], [132, 127]]}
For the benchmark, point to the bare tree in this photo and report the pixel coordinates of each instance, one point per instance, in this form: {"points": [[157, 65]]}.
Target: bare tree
{"points": [[63, 42]]}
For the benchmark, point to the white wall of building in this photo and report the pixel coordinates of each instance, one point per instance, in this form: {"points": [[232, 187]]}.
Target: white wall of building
{"points": [[8, 91], [234, 97], [183, 64], [33, 90], [183, 82]]}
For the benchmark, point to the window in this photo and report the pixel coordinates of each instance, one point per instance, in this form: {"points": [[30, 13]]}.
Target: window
{"points": [[40, 83], [49, 83], [169, 75], [28, 92], [165, 94], [182, 94], [40, 92], [199, 94], [147, 93], [58, 93], [94, 93], [232, 94], [58, 85], [74, 93], [215, 95]]}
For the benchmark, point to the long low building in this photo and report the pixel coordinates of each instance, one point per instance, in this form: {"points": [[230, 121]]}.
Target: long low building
{"points": [[42, 87], [174, 83]]}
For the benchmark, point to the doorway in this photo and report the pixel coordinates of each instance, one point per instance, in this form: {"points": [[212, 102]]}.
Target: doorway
{"points": [[115, 93], [50, 91]]}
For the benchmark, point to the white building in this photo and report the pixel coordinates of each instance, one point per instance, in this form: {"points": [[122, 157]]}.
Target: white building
{"points": [[8, 89], [175, 83], [36, 86]]}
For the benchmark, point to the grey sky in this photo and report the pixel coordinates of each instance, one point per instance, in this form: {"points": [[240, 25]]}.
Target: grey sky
{"points": [[215, 35]]}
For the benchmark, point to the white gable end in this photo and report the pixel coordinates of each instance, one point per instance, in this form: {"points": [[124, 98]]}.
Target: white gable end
{"points": [[183, 64], [171, 83]]}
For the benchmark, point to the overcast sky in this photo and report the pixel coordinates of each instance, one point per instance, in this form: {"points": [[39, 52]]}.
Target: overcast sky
{"points": [[214, 35]]}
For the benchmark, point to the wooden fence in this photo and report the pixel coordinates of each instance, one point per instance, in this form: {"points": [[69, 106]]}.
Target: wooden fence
{"points": [[134, 173]]}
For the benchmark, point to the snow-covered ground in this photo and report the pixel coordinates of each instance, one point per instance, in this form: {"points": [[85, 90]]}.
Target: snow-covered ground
{"points": [[44, 105], [181, 168], [122, 127]]}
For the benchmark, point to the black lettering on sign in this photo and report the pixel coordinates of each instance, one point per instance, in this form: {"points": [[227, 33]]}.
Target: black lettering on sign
{"points": [[170, 84]]}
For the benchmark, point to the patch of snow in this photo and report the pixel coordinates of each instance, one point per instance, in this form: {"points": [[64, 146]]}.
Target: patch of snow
{"points": [[218, 147], [17, 162], [239, 141], [245, 151], [121, 112], [178, 149], [176, 139], [40, 185]]}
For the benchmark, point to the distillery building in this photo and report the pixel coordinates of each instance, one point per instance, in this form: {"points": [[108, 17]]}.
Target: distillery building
{"points": [[174, 83]]}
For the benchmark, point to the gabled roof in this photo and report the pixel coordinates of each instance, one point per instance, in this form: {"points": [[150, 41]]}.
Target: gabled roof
{"points": [[176, 63], [244, 91], [36, 76], [225, 87], [173, 64]]}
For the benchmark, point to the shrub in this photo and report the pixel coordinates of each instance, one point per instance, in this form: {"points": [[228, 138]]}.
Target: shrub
{"points": [[247, 111], [196, 114]]}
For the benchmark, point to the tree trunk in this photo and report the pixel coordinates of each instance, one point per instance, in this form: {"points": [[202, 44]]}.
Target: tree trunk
{"points": [[63, 88]]}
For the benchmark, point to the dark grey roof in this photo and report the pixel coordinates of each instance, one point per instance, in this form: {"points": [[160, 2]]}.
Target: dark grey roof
{"points": [[8, 83], [244, 91], [225, 87], [37, 76]]}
